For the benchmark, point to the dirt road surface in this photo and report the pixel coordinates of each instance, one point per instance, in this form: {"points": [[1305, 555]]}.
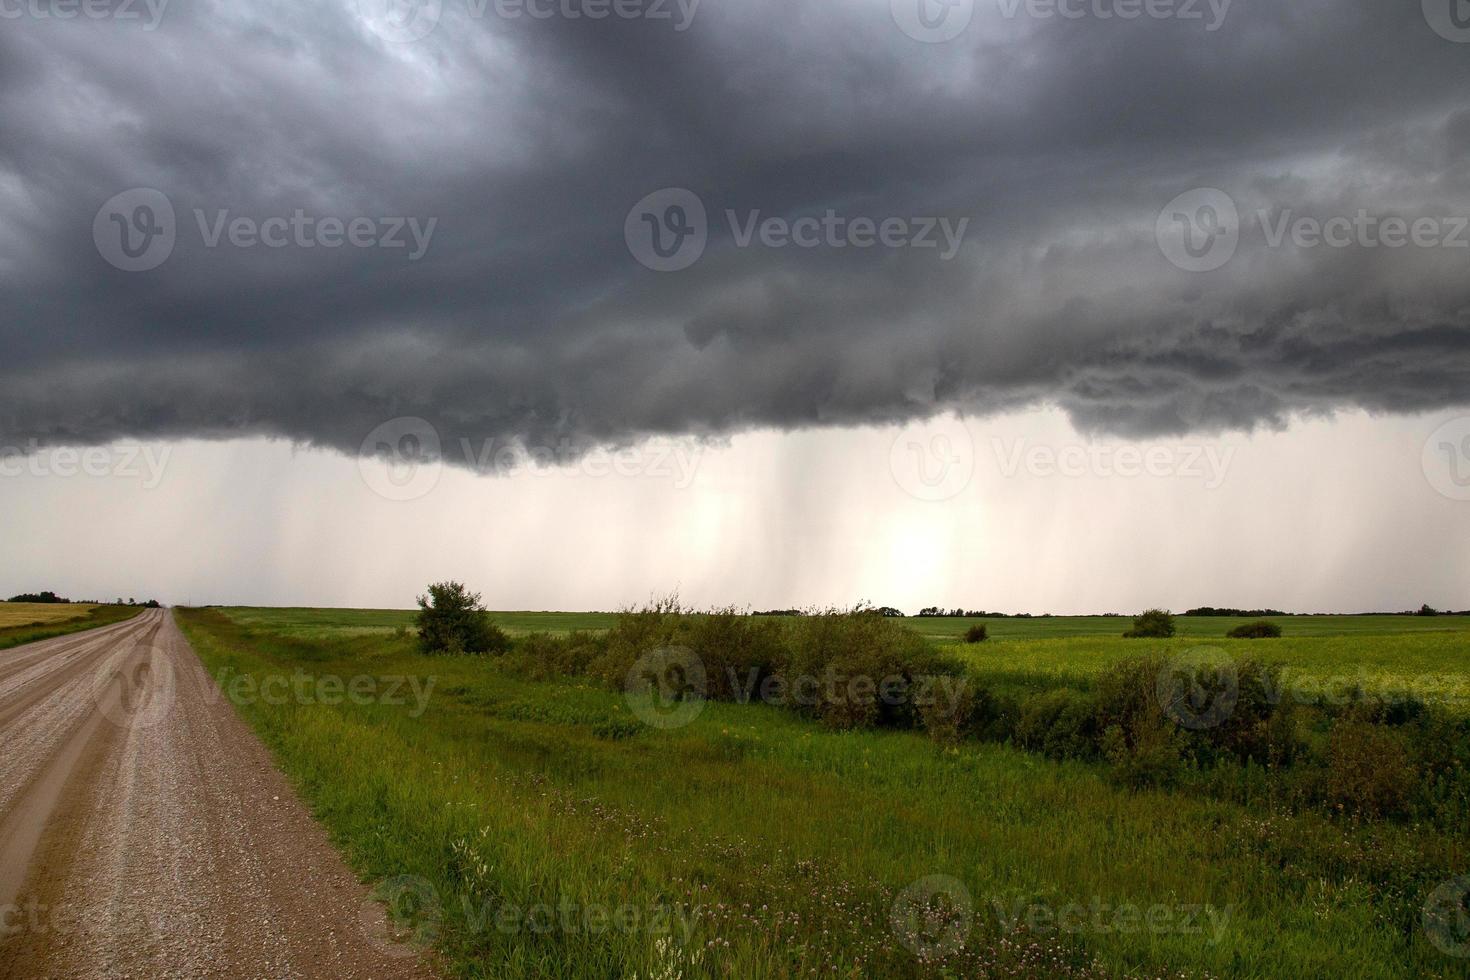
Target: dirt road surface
{"points": [[146, 833]]}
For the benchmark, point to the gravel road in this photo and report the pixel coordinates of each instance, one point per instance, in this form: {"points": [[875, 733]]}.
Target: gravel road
{"points": [[146, 833]]}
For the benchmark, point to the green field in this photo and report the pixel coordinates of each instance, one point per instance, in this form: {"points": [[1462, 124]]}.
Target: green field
{"points": [[944, 629], [783, 846]]}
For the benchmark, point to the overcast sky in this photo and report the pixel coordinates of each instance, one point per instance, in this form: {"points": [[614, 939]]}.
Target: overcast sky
{"points": [[1135, 238]]}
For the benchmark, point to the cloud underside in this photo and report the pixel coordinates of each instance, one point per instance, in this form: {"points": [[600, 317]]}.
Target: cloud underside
{"points": [[528, 318]]}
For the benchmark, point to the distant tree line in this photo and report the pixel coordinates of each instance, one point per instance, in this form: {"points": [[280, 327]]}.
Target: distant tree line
{"points": [[1224, 611], [51, 597]]}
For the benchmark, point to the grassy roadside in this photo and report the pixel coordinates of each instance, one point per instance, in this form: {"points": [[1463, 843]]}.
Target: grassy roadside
{"points": [[14, 636], [776, 847]]}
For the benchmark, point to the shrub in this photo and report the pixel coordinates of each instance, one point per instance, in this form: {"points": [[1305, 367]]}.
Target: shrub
{"points": [[977, 634], [1060, 723], [738, 652], [541, 655], [973, 712], [866, 667], [1259, 630], [1152, 623], [1150, 752], [1224, 706], [659, 624], [451, 620], [1369, 768]]}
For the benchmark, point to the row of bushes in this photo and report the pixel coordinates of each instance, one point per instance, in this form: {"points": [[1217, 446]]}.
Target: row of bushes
{"points": [[739, 653], [1158, 624], [1368, 756], [1149, 722]]}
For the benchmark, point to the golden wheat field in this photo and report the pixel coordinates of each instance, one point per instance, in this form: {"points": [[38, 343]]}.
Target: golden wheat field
{"points": [[29, 613]]}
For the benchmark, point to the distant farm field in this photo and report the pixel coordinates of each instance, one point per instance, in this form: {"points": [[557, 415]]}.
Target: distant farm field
{"points": [[507, 810], [942, 629], [27, 613], [26, 622]]}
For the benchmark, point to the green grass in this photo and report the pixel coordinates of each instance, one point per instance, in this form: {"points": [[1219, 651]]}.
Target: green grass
{"points": [[1427, 662], [326, 623], [793, 840], [94, 616]]}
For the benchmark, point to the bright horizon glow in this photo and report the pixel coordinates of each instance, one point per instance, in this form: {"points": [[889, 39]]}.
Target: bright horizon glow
{"points": [[1327, 516]]}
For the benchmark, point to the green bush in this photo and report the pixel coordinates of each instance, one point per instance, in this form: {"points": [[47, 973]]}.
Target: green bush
{"points": [[1152, 623], [1259, 630], [451, 620], [867, 667], [1222, 706], [977, 634], [660, 624], [1060, 723], [738, 652], [1370, 770], [541, 655], [1150, 752], [972, 713]]}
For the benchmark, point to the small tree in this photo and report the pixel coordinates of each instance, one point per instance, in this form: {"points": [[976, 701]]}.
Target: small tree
{"points": [[977, 634], [1152, 624], [451, 620]]}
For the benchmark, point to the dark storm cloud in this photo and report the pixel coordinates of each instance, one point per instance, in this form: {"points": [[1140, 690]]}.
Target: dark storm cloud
{"points": [[526, 141]]}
